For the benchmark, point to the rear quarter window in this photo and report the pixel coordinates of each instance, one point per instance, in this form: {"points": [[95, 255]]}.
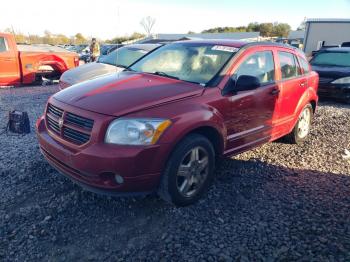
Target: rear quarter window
{"points": [[305, 65]]}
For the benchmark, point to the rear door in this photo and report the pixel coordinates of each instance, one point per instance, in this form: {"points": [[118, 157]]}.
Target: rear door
{"points": [[292, 83], [9, 69], [253, 112]]}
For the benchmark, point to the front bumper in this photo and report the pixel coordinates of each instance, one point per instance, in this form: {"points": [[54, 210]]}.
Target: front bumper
{"points": [[94, 166], [336, 91]]}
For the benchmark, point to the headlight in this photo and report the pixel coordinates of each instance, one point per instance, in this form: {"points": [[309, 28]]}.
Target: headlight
{"points": [[344, 80], [129, 131]]}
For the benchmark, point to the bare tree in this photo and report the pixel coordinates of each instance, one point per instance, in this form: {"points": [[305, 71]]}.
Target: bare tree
{"points": [[147, 24]]}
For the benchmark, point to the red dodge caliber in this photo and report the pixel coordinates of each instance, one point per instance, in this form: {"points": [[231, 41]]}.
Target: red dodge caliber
{"points": [[159, 125]]}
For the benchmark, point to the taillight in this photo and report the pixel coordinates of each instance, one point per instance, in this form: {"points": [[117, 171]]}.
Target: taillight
{"points": [[76, 61]]}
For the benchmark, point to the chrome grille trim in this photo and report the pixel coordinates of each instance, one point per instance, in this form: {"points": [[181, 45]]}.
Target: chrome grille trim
{"points": [[68, 126]]}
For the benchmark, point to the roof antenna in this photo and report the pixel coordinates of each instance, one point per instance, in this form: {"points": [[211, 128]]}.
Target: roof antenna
{"points": [[117, 57]]}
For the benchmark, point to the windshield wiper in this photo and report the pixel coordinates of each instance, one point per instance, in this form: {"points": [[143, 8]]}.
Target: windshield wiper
{"points": [[159, 73], [193, 82], [127, 68], [122, 66], [175, 77]]}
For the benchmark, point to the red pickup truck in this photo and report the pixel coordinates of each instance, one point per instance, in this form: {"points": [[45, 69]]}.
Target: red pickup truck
{"points": [[24, 64]]}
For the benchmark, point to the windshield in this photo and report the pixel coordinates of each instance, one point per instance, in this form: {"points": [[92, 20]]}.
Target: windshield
{"points": [[332, 59], [80, 48], [123, 56], [106, 48], [186, 61]]}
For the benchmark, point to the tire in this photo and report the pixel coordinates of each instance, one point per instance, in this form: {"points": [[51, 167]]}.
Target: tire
{"points": [[298, 136], [192, 160]]}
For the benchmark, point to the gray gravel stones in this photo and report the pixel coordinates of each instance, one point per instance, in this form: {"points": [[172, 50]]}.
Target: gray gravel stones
{"points": [[278, 202]]}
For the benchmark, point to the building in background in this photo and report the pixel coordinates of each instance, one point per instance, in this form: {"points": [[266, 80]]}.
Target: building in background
{"points": [[243, 36], [325, 32], [296, 38]]}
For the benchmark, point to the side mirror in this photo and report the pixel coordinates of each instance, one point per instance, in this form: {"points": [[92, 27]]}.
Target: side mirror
{"points": [[243, 83], [230, 87], [246, 82]]}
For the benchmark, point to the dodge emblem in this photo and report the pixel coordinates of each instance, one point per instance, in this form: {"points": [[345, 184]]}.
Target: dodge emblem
{"points": [[60, 123]]}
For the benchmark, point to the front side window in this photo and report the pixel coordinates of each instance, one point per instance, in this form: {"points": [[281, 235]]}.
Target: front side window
{"points": [[260, 65], [192, 62], [123, 57], [3, 44], [332, 59], [288, 65]]}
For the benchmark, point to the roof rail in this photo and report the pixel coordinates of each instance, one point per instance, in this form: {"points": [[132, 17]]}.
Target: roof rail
{"points": [[270, 44]]}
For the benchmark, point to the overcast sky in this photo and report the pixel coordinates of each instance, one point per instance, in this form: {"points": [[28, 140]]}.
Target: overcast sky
{"points": [[109, 18]]}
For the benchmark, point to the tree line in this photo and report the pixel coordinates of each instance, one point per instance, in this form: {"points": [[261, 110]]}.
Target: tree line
{"points": [[265, 29], [61, 39]]}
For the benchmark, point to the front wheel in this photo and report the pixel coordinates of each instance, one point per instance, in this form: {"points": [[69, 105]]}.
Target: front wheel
{"points": [[189, 171], [302, 128]]}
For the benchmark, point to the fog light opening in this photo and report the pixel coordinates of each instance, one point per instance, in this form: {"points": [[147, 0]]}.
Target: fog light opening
{"points": [[119, 179]]}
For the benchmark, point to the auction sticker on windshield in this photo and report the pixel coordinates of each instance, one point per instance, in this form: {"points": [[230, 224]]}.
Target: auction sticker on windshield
{"points": [[225, 48]]}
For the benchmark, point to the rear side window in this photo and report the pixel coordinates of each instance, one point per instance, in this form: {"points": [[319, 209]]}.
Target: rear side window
{"points": [[3, 44], [288, 65], [260, 65], [304, 65]]}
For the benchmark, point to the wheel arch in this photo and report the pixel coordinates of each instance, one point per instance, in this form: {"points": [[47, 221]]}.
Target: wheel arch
{"points": [[213, 135]]}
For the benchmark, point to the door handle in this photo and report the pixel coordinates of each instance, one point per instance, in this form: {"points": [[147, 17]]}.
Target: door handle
{"points": [[275, 92], [303, 84]]}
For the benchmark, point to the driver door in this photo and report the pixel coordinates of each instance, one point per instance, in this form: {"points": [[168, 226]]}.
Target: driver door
{"points": [[253, 111]]}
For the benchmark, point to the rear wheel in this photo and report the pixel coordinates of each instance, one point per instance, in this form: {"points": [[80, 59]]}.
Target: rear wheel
{"points": [[189, 171], [301, 129]]}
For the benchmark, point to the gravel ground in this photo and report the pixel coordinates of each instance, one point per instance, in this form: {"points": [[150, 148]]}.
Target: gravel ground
{"points": [[279, 202]]}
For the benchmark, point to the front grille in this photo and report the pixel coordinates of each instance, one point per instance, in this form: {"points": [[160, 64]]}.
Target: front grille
{"points": [[71, 127], [79, 121], [53, 124], [54, 110], [75, 136]]}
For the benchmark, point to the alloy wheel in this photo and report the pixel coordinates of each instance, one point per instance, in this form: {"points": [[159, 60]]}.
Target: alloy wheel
{"points": [[193, 171], [304, 123]]}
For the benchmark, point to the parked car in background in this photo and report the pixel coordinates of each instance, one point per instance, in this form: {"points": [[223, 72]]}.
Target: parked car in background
{"points": [[108, 48], [160, 125], [333, 67], [83, 52], [85, 57], [25, 64], [111, 63]]}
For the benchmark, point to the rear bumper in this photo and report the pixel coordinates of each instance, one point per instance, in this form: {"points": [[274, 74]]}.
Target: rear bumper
{"points": [[94, 167], [341, 92]]}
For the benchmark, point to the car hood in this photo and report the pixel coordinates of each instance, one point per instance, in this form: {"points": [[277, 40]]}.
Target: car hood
{"points": [[87, 72], [332, 72], [126, 92]]}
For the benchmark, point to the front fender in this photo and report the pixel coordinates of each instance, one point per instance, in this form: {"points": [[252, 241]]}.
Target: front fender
{"points": [[193, 119]]}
